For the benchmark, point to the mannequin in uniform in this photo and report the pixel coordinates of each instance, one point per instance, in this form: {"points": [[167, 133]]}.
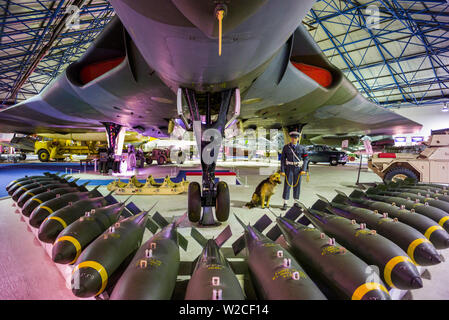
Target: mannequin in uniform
{"points": [[294, 163]]}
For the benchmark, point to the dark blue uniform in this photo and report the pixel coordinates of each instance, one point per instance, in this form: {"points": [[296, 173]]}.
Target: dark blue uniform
{"points": [[292, 168]]}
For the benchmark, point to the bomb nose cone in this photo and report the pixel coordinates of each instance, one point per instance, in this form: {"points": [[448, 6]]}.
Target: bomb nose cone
{"points": [[440, 239], [63, 252], [87, 282], [26, 211], [416, 283], [16, 195], [81, 292], [425, 254], [58, 258], [376, 294], [36, 219], [436, 259], [405, 276], [49, 230]]}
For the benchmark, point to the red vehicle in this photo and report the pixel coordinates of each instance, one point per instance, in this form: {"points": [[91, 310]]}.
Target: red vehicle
{"points": [[161, 156]]}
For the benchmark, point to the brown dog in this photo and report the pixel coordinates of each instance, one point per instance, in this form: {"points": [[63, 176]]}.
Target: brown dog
{"points": [[264, 191]]}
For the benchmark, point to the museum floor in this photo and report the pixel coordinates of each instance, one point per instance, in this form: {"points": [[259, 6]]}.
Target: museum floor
{"points": [[26, 271]]}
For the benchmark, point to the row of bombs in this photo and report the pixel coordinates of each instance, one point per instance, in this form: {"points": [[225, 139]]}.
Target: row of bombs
{"points": [[338, 254]]}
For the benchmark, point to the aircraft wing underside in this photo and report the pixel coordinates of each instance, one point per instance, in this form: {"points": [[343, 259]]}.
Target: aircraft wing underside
{"points": [[113, 83]]}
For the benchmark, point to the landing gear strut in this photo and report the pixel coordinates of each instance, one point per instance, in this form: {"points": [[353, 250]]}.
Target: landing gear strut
{"points": [[109, 159], [208, 134]]}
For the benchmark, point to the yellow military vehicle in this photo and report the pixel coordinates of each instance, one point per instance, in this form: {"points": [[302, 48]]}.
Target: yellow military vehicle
{"points": [[60, 149], [430, 165], [55, 146]]}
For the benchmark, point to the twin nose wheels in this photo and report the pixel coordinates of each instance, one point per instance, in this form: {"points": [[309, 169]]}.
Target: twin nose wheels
{"points": [[222, 202]]}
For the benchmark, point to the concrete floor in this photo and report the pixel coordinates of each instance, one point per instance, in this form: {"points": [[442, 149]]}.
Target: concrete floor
{"points": [[26, 272]]}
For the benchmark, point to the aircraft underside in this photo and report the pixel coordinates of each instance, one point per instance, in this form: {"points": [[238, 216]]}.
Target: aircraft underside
{"points": [[159, 61]]}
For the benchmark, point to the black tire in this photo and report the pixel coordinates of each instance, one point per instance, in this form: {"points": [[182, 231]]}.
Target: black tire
{"points": [[23, 156], [399, 173], [333, 162], [43, 155], [194, 202], [160, 160], [149, 161], [314, 162], [223, 202], [343, 163]]}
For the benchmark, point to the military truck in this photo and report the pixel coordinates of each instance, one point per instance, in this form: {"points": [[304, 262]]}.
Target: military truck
{"points": [[431, 165], [59, 150], [163, 156]]}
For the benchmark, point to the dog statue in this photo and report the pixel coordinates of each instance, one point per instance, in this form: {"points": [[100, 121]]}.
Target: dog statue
{"points": [[264, 191]]}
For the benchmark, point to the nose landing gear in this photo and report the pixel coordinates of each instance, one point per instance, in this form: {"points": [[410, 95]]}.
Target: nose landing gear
{"points": [[213, 196]]}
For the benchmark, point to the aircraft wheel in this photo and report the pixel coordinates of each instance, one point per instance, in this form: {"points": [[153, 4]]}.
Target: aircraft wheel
{"points": [[223, 202], [43, 155], [194, 202]]}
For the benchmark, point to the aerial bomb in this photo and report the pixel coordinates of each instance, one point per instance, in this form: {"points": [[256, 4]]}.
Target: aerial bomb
{"points": [[397, 269], [430, 193], [152, 273], [98, 262], [329, 264], [437, 234], [275, 273], [60, 219], [212, 277], [411, 182], [35, 185], [26, 178], [417, 246], [78, 235], [45, 188], [435, 192], [25, 184], [423, 197], [425, 225], [46, 208], [33, 202]]}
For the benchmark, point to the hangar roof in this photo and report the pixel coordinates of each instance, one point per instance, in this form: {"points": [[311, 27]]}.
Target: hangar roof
{"points": [[394, 52], [31, 29]]}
